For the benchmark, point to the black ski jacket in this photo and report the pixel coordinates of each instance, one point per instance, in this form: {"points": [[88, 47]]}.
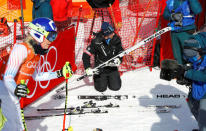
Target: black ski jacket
{"points": [[102, 51]]}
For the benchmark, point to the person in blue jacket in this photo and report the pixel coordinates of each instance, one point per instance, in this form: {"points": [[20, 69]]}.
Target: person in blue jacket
{"points": [[181, 14], [195, 53], [194, 75]]}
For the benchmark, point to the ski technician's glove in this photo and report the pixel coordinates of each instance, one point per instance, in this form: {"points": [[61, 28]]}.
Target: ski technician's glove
{"points": [[115, 62], [21, 90], [66, 71], [90, 71]]}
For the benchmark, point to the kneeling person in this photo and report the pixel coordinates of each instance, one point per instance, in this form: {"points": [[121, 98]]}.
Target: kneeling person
{"points": [[104, 46]]}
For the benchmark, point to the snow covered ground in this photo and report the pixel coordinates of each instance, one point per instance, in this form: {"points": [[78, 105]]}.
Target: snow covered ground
{"points": [[132, 115]]}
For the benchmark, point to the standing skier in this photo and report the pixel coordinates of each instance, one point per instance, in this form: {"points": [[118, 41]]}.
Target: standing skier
{"points": [[22, 62], [181, 14], [104, 46]]}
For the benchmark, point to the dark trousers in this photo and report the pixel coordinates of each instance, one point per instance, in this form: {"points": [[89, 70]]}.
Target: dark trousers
{"points": [[111, 80], [198, 109]]}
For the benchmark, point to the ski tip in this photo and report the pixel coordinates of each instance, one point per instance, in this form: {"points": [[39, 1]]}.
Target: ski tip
{"points": [[97, 129]]}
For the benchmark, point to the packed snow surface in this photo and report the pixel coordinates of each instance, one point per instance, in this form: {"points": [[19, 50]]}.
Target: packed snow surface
{"points": [[133, 113]]}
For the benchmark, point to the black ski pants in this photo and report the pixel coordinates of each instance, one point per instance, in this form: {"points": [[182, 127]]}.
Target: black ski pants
{"points": [[198, 109], [111, 80]]}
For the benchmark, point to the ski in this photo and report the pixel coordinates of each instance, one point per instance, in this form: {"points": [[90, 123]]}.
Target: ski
{"points": [[70, 112], [103, 97], [122, 97], [163, 106], [157, 110], [56, 109], [127, 51], [89, 104]]}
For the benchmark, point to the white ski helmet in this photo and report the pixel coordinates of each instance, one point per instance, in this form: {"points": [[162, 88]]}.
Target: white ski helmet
{"points": [[43, 27]]}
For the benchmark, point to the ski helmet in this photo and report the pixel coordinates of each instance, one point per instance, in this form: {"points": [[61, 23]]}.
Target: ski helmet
{"points": [[107, 29], [43, 27]]}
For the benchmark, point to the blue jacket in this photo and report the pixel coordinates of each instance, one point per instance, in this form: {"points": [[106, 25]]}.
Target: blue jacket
{"points": [[187, 8], [199, 83]]}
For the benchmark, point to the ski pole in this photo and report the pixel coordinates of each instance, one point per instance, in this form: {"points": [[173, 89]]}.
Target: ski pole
{"points": [[77, 27], [64, 120], [22, 20], [65, 109], [22, 111]]}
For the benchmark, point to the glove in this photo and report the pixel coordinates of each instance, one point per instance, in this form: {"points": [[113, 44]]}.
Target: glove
{"points": [[66, 71], [115, 62], [21, 90], [184, 81], [177, 17], [90, 71]]}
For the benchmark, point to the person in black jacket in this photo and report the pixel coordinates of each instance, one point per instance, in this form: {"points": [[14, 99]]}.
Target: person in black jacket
{"points": [[104, 46]]}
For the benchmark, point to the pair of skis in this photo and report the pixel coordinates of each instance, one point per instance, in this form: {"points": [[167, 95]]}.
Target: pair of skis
{"points": [[91, 108], [156, 108], [88, 107], [97, 110], [70, 112], [89, 104], [125, 52]]}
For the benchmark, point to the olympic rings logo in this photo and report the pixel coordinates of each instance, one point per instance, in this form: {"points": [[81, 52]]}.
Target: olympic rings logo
{"points": [[44, 67]]}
